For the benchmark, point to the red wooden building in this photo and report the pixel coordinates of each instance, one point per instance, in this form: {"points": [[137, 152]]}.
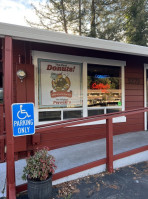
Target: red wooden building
{"points": [[69, 77]]}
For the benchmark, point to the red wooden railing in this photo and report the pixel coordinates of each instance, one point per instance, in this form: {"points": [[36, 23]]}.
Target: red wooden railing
{"points": [[2, 136], [109, 142], [1, 119]]}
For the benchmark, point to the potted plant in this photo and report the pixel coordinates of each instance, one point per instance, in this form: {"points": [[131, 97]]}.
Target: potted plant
{"points": [[38, 172]]}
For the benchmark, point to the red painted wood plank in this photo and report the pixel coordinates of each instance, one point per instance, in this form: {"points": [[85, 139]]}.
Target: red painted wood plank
{"points": [[2, 148], [135, 99], [57, 143], [134, 81], [134, 104], [21, 86], [20, 144], [71, 132], [131, 152], [134, 87], [8, 118], [72, 171], [126, 129], [136, 68], [1, 119], [132, 74], [137, 116], [131, 121], [109, 145], [134, 107], [61, 124], [21, 188], [30, 92], [79, 169], [137, 92]]}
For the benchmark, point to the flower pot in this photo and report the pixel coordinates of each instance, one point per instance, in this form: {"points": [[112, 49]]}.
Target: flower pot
{"points": [[40, 189]]}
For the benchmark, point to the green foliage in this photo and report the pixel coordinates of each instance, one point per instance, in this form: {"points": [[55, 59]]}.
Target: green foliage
{"points": [[39, 166], [116, 20], [68, 197], [136, 30]]}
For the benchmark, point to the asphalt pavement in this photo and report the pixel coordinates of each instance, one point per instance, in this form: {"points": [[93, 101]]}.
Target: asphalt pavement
{"points": [[129, 182]]}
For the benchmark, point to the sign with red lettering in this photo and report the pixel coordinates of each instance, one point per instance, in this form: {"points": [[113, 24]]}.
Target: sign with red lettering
{"points": [[101, 86], [59, 84]]}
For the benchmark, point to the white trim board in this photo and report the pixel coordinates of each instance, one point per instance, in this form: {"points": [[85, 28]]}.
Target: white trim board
{"points": [[57, 38], [145, 97], [72, 58]]}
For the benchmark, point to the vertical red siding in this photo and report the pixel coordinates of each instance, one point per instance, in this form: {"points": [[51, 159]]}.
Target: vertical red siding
{"points": [[1, 119], [22, 60], [21, 86], [24, 90]]}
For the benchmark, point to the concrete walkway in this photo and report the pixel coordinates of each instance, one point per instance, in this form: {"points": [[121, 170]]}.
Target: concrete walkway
{"points": [[76, 155]]}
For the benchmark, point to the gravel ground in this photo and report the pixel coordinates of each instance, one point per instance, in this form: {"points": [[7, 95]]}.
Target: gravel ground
{"points": [[130, 182]]}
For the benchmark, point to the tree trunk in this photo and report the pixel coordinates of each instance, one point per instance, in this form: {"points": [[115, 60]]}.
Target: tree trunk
{"points": [[93, 20], [80, 17], [64, 17]]}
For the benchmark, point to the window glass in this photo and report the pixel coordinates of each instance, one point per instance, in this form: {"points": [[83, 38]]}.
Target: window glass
{"points": [[95, 112], [72, 114], [104, 86], [113, 110], [49, 116], [60, 84]]}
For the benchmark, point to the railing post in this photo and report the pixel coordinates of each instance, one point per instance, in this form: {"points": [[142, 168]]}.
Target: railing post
{"points": [[8, 81], [109, 145], [1, 119]]}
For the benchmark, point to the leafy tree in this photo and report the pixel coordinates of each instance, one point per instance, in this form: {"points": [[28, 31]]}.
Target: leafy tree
{"points": [[124, 20], [54, 15], [136, 29], [110, 20]]}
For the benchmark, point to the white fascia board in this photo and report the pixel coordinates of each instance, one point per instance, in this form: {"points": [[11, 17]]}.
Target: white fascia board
{"points": [[46, 36]]}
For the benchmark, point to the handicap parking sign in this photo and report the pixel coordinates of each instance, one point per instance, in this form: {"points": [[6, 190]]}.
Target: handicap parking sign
{"points": [[23, 119]]}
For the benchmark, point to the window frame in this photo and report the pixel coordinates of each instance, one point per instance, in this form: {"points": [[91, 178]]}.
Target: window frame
{"points": [[80, 60], [39, 81]]}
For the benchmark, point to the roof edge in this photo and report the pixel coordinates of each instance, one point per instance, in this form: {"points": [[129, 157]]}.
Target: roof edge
{"points": [[58, 38]]}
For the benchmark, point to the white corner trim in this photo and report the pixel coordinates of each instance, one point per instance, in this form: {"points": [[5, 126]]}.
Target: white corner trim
{"points": [[123, 87], [84, 78], [73, 58], [145, 96], [115, 120]]}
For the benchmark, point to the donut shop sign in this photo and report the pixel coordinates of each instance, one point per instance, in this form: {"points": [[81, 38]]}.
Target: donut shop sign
{"points": [[59, 84]]}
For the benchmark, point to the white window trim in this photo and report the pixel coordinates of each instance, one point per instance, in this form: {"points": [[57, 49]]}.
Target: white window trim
{"points": [[84, 61]]}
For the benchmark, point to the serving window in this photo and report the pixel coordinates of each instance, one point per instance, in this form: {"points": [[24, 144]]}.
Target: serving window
{"points": [[70, 87]]}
